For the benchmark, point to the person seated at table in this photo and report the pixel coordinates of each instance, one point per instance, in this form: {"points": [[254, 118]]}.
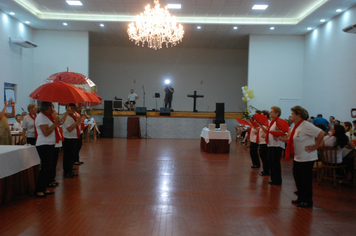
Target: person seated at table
{"points": [[347, 152], [5, 133], [28, 125], [337, 139], [17, 126], [90, 121]]}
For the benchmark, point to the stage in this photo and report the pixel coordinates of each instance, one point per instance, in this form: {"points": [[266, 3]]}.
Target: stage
{"points": [[179, 125]]}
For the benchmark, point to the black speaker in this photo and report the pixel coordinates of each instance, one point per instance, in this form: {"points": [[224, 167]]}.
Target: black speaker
{"points": [[117, 104], [108, 127], [141, 111], [165, 111], [220, 111], [108, 108]]}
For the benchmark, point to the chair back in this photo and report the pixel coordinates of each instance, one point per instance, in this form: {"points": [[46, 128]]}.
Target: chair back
{"points": [[328, 156]]}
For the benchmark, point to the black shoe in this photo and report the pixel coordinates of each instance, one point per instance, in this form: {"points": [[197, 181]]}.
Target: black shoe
{"points": [[76, 163], [40, 195], [81, 162], [296, 193], [264, 173], [47, 192], [74, 174], [305, 205], [254, 166], [74, 168], [296, 201], [274, 183], [68, 175]]}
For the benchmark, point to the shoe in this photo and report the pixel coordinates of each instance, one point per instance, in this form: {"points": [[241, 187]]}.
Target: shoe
{"points": [[68, 175], [305, 205], [296, 193], [52, 185], [40, 195], [254, 166], [47, 192], [296, 201], [263, 173], [274, 183], [81, 162], [74, 174], [74, 168], [76, 163]]}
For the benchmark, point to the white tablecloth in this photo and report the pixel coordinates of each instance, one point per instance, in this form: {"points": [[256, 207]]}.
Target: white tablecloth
{"points": [[14, 159], [216, 134]]}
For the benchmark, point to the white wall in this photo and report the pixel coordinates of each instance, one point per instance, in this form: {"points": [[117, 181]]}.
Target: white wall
{"points": [[217, 74], [330, 71], [275, 69], [16, 63]]}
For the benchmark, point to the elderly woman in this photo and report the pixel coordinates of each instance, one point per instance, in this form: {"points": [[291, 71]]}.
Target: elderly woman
{"points": [[28, 125], [48, 135], [5, 134], [303, 142], [18, 123]]}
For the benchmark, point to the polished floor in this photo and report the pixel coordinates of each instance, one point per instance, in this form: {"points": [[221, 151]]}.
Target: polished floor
{"points": [[170, 187]]}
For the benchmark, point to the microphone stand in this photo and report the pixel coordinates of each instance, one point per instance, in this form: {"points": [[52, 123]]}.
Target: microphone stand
{"points": [[144, 95]]}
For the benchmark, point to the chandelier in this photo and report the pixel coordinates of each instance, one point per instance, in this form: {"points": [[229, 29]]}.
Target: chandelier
{"points": [[155, 26]]}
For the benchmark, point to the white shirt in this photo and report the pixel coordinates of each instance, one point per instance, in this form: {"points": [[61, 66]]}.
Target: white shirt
{"points": [[261, 139], [91, 122], [271, 141], [132, 96], [253, 135], [305, 135], [69, 135], [41, 119], [330, 141], [29, 124], [17, 126]]}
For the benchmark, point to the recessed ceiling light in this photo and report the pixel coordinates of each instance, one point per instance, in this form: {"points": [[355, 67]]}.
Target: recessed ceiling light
{"points": [[309, 28], [174, 6], [339, 10], [65, 23], [74, 3], [322, 20], [272, 28], [259, 7], [12, 13], [235, 27], [198, 27], [101, 25], [27, 22]]}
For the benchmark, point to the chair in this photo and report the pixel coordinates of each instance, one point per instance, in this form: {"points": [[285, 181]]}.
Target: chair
{"points": [[330, 169], [238, 132], [96, 135], [86, 133]]}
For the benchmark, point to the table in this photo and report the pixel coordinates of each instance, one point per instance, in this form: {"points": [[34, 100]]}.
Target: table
{"points": [[17, 137], [19, 168], [133, 128], [215, 141]]}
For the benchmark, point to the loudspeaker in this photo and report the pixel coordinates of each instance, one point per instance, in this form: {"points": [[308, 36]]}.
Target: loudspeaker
{"points": [[141, 111], [117, 104], [108, 127], [165, 111], [107, 108], [220, 111]]}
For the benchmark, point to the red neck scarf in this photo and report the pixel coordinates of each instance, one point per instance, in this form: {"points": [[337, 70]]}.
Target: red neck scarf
{"points": [[290, 145], [34, 118], [75, 119], [269, 127], [57, 130], [258, 134]]}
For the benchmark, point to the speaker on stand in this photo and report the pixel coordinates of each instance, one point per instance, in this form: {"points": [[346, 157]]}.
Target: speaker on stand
{"points": [[108, 120], [220, 114]]}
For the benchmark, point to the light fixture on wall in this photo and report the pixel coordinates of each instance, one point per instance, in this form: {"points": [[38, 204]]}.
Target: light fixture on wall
{"points": [[155, 26]]}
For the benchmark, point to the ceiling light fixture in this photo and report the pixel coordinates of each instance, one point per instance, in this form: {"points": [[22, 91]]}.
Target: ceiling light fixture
{"points": [[65, 23], [27, 22], [322, 20], [259, 7], [155, 26], [74, 3], [339, 10], [235, 28], [12, 13], [198, 27], [174, 6], [272, 28], [101, 25], [309, 28]]}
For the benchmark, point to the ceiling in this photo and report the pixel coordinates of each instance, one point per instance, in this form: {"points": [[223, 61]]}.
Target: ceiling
{"points": [[216, 18]]}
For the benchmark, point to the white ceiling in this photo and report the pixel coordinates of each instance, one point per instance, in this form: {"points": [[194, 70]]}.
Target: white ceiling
{"points": [[216, 17]]}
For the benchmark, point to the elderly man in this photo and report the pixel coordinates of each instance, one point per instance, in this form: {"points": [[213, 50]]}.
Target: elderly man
{"points": [[131, 100]]}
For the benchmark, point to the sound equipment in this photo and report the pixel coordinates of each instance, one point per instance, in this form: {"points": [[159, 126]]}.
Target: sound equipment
{"points": [[165, 111], [117, 104], [141, 111], [108, 108], [108, 127], [220, 114]]}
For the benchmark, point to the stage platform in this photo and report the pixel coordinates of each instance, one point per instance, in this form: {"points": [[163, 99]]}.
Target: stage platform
{"points": [[179, 125]]}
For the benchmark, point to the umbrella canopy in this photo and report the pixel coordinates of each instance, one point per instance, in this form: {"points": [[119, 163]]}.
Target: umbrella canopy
{"points": [[59, 92], [76, 79], [93, 100], [243, 122]]}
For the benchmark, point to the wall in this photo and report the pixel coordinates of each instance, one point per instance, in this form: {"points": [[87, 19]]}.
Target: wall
{"points": [[329, 76], [216, 74], [275, 69]]}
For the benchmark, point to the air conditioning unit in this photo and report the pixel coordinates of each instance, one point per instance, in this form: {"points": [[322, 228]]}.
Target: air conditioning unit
{"points": [[350, 29], [22, 42]]}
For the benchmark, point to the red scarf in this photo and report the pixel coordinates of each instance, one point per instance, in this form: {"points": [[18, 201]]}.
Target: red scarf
{"points": [[269, 127], [78, 129], [57, 130], [258, 134], [290, 144], [34, 118]]}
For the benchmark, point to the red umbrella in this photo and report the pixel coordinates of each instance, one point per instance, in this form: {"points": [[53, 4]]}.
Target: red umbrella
{"points": [[59, 92], [243, 122], [277, 133], [93, 100], [282, 124], [263, 120]]}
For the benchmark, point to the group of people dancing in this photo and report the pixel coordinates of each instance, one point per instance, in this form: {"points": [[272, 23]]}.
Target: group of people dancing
{"points": [[49, 132], [300, 143]]}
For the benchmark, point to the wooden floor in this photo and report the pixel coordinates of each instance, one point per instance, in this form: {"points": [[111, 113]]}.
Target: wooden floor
{"points": [[169, 187]]}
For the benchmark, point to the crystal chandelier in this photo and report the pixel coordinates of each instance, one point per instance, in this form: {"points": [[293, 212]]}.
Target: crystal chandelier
{"points": [[155, 26]]}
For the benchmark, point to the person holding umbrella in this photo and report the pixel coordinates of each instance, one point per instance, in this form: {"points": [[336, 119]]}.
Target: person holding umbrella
{"points": [[48, 135]]}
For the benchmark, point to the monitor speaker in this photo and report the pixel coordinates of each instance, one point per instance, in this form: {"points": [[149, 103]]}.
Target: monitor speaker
{"points": [[220, 111], [141, 111], [165, 111], [108, 127], [117, 104], [108, 108]]}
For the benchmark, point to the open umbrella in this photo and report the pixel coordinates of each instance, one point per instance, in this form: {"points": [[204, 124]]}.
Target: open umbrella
{"points": [[93, 100], [76, 79], [243, 122], [59, 92]]}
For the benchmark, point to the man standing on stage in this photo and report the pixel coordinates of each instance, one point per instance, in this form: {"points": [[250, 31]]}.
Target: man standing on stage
{"points": [[169, 95]]}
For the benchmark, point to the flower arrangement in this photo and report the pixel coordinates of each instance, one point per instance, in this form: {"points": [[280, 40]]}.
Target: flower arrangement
{"points": [[247, 96]]}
